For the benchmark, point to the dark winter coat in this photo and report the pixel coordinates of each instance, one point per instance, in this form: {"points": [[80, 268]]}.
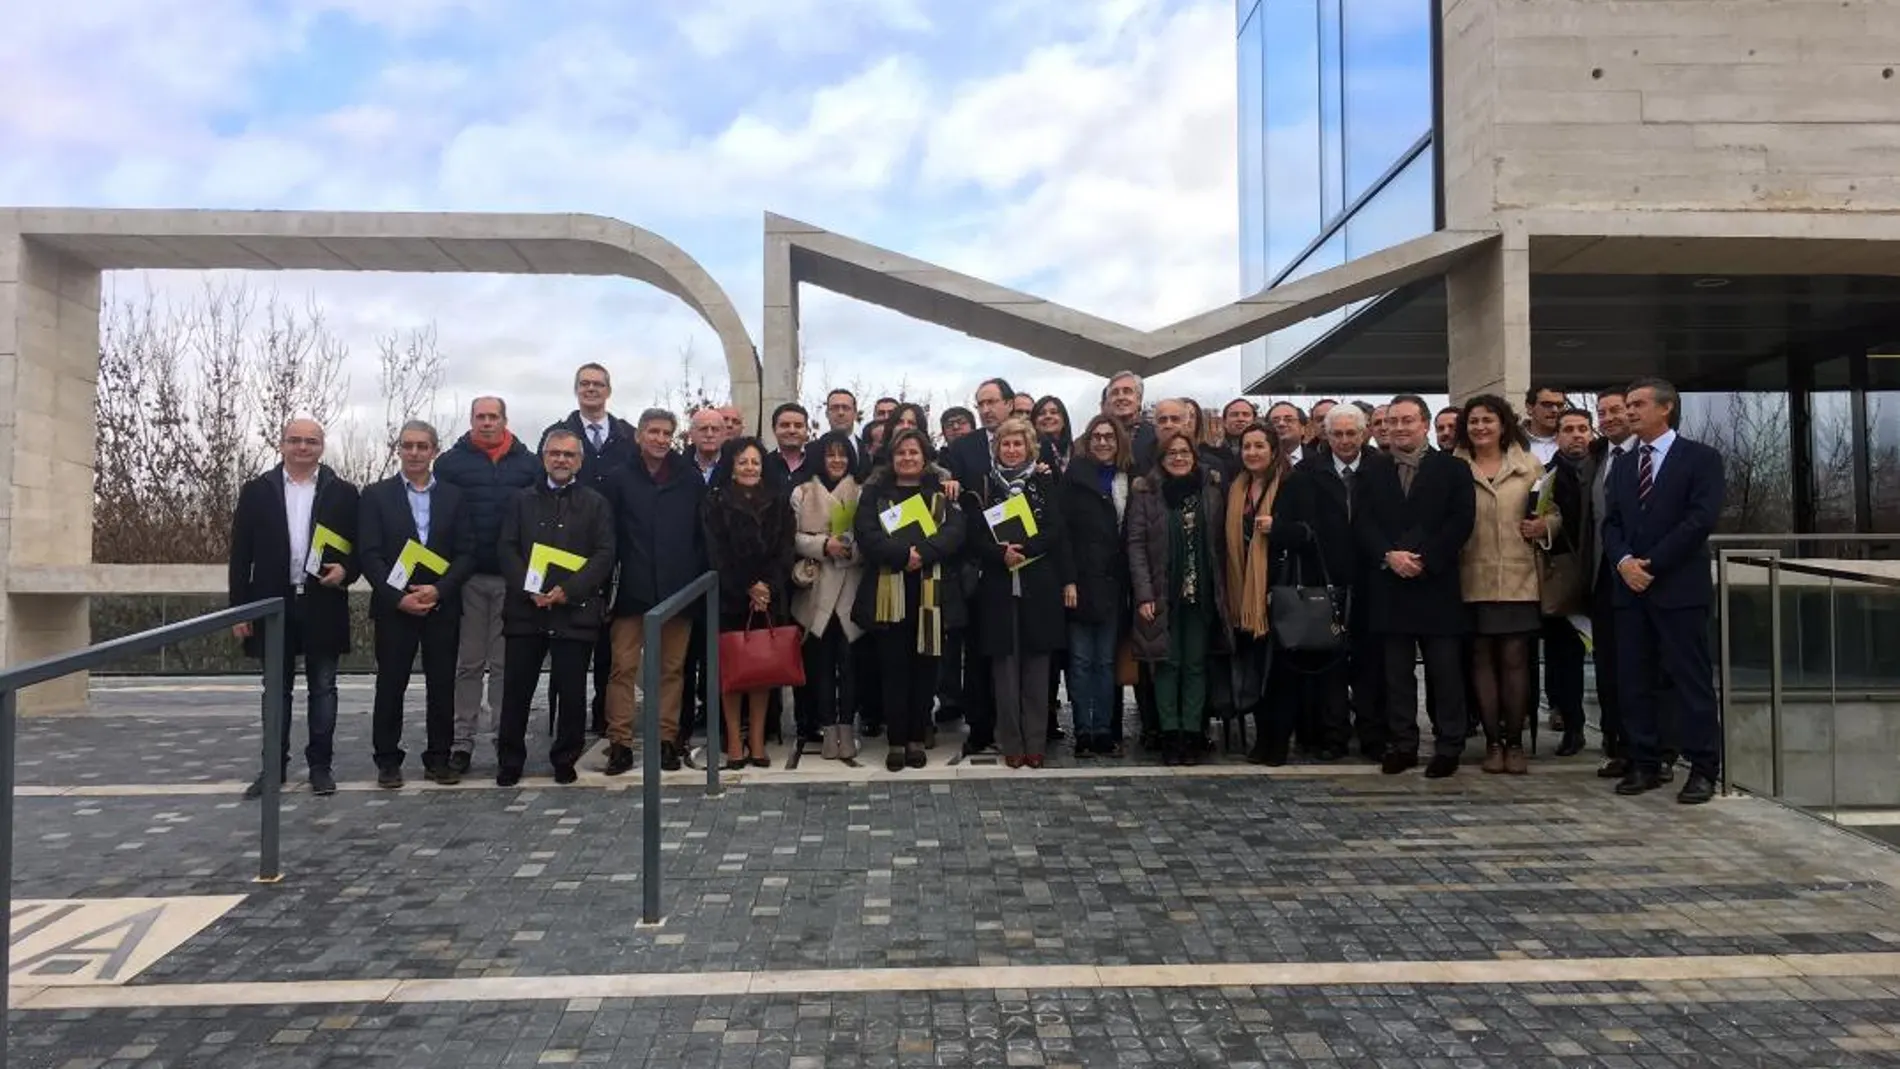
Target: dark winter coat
{"points": [[1149, 578], [884, 554], [661, 540], [260, 558], [749, 543], [621, 448], [488, 489], [1035, 622], [573, 518], [1433, 521], [386, 525], [1311, 520], [1098, 548]]}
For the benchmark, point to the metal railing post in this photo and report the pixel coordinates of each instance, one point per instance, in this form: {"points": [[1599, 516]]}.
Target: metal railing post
{"points": [[1774, 676], [8, 706], [650, 768], [1726, 662], [276, 694], [715, 755]]}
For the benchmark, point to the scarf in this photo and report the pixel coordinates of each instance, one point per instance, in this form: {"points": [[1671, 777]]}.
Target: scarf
{"points": [[891, 607], [499, 450], [1177, 489], [1247, 563], [1011, 480], [1187, 544], [1408, 465]]}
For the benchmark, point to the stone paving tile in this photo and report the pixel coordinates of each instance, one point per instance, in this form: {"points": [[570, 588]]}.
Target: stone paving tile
{"points": [[1009, 871], [1852, 1024]]}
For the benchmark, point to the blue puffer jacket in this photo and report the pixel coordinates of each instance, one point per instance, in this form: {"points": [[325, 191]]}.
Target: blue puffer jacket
{"points": [[487, 486]]}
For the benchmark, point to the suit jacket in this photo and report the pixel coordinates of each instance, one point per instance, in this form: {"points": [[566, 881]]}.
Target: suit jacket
{"points": [[1311, 518], [385, 525], [260, 558], [1670, 530], [1434, 521], [968, 458]]}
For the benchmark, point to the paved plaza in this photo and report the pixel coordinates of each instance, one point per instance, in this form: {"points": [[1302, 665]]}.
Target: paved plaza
{"points": [[1104, 914]]}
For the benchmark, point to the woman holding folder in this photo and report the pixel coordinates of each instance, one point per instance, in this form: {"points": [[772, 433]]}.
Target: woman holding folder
{"points": [[749, 542], [906, 529], [1027, 583], [826, 576]]}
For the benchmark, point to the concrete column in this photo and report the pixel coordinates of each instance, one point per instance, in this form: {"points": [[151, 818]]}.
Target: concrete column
{"points": [[781, 361], [1488, 320], [49, 371]]}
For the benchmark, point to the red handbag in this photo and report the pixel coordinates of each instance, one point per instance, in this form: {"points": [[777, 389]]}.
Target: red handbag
{"points": [[761, 658]]}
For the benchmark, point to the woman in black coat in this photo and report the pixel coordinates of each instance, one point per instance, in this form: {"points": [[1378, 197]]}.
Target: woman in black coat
{"points": [[749, 539], [905, 597], [1026, 581], [1093, 500]]}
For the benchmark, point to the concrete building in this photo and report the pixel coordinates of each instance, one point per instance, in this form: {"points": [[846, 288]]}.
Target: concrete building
{"points": [[1703, 189]]}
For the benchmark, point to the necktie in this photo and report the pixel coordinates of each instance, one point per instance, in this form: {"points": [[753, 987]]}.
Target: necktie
{"points": [[1346, 476], [594, 432], [1646, 474]]}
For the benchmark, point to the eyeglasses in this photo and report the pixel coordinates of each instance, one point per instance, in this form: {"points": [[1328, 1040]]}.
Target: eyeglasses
{"points": [[415, 447], [561, 454], [296, 439], [1102, 436], [591, 384]]}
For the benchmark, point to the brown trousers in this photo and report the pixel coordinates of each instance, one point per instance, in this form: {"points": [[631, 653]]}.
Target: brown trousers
{"points": [[629, 643]]}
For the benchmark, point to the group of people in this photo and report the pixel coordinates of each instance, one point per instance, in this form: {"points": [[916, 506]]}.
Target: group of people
{"points": [[1291, 569]]}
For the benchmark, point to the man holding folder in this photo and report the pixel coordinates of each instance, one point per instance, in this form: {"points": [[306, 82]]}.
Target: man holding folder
{"points": [[417, 549], [557, 554], [292, 537]]}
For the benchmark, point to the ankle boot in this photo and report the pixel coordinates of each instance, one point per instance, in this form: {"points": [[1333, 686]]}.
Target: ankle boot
{"points": [[1493, 757], [1515, 763], [828, 748], [847, 742]]}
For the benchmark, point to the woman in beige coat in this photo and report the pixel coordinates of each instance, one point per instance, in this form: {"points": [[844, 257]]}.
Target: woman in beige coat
{"points": [[826, 580], [1499, 572]]}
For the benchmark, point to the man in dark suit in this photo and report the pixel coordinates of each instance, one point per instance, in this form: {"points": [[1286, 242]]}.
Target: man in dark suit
{"points": [[293, 536], [415, 600], [1313, 519], [1607, 453], [969, 460], [1413, 517], [608, 442], [1664, 501]]}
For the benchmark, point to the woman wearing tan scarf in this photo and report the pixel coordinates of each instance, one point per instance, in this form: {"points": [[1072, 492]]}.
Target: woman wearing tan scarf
{"points": [[1249, 523]]}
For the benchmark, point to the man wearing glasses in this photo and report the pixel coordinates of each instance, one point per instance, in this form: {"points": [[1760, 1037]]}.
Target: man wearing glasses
{"points": [[417, 549], [1543, 411], [292, 537]]}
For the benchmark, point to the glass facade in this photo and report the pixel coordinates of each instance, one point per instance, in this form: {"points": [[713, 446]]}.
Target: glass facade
{"points": [[1335, 110]]}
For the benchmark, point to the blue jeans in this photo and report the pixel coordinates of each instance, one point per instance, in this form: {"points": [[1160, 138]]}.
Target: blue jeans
{"points": [[320, 679], [1092, 689]]}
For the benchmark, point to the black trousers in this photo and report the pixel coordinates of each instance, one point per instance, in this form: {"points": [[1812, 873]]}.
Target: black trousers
{"points": [[910, 684], [868, 665], [1608, 663], [1563, 670], [950, 677], [1682, 716], [1445, 671], [693, 682], [1364, 671], [1308, 689], [831, 677], [398, 639], [567, 692]]}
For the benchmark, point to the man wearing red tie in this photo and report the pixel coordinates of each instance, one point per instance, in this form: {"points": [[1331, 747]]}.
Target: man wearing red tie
{"points": [[1663, 504]]}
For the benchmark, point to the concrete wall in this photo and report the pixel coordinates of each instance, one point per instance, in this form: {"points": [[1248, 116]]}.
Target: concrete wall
{"points": [[1846, 754], [1723, 105], [49, 369]]}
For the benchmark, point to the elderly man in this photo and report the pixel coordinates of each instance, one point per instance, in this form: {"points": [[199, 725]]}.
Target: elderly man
{"points": [[417, 548], [707, 438], [490, 466], [662, 548], [293, 536], [557, 553]]}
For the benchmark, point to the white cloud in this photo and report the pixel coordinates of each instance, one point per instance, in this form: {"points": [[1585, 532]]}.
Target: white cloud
{"points": [[720, 28]]}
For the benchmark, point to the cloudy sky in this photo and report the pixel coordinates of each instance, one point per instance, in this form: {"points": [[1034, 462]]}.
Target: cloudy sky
{"points": [[1081, 151]]}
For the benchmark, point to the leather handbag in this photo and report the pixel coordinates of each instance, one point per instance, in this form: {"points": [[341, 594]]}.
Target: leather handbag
{"points": [[761, 658], [1127, 670], [1307, 619]]}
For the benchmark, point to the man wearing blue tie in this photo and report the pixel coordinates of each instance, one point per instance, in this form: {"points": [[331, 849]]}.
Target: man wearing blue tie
{"points": [[1664, 498]]}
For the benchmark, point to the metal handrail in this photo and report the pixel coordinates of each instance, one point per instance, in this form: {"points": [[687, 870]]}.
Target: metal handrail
{"points": [[706, 589], [268, 612], [1818, 571]]}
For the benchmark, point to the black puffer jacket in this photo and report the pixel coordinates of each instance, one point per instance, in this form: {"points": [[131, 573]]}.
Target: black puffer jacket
{"points": [[749, 540], [487, 486]]}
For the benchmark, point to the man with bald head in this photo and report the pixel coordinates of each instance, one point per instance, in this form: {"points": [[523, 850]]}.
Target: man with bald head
{"points": [[293, 536], [707, 435]]}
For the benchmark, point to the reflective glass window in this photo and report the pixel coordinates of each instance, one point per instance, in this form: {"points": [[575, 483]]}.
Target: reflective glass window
{"points": [[1291, 57], [1399, 212], [1253, 164], [1387, 50]]}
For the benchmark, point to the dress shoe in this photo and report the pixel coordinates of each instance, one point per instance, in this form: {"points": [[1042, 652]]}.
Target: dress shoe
{"points": [[619, 760], [1637, 781], [459, 762], [1441, 765], [1696, 790], [1515, 763], [1493, 758], [1012, 761], [1667, 773], [323, 783], [669, 757], [734, 764], [1395, 763], [894, 759], [389, 779], [1572, 743], [1329, 754], [1613, 768], [256, 789], [443, 774], [565, 774], [759, 761], [914, 757], [508, 777]]}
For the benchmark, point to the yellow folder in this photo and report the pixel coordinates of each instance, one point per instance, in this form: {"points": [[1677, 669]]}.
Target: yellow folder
{"points": [[843, 515], [321, 539], [1012, 510], [914, 510], [416, 555], [541, 558]]}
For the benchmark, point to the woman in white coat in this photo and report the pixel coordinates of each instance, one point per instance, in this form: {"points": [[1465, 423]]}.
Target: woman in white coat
{"points": [[826, 579]]}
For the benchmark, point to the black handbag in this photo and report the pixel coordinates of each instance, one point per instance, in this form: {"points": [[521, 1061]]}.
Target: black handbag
{"points": [[1308, 619]]}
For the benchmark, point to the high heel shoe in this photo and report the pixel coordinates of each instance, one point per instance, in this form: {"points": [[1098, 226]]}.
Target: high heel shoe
{"points": [[734, 764]]}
